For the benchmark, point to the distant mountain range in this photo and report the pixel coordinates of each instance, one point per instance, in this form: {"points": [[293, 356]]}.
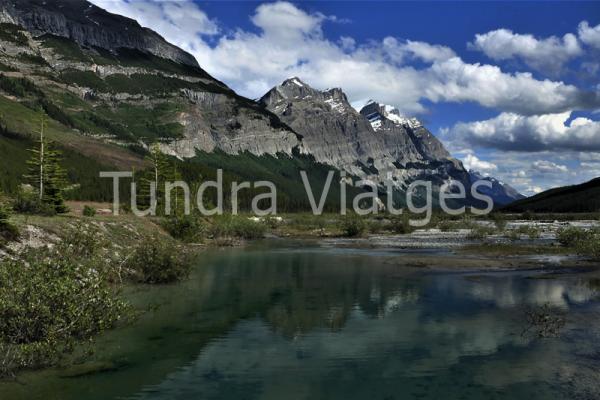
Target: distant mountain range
{"points": [[112, 87], [576, 198]]}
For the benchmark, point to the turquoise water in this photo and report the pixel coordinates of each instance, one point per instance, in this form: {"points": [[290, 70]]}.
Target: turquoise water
{"points": [[302, 322]]}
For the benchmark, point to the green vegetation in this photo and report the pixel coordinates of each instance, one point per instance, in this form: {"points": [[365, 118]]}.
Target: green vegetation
{"points": [[157, 260], [12, 33], [353, 225], [89, 211], [531, 231], [480, 232], [66, 48], [86, 79], [32, 59], [400, 224], [584, 241], [46, 175], [52, 299], [20, 87], [8, 231], [569, 199], [187, 228], [229, 226]]}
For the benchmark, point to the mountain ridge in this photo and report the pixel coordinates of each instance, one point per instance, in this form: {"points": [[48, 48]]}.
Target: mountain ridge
{"points": [[141, 89]]}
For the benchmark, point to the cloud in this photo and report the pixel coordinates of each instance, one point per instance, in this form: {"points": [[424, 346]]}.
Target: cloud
{"points": [[400, 51], [471, 162], [534, 190], [548, 167], [509, 131], [181, 23], [546, 55], [289, 41], [589, 35]]}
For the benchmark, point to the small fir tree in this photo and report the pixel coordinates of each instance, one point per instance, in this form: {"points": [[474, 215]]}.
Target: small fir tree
{"points": [[45, 174]]}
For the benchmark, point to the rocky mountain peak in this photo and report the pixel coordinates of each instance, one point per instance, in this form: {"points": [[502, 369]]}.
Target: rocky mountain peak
{"points": [[293, 90], [376, 112], [89, 26]]}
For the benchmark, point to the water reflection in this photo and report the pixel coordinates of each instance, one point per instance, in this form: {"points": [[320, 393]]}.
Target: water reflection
{"points": [[307, 324]]}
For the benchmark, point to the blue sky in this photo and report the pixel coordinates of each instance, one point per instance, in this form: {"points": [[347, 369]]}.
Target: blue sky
{"points": [[513, 89]]}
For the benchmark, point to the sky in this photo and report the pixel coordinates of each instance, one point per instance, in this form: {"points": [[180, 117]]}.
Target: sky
{"points": [[511, 88]]}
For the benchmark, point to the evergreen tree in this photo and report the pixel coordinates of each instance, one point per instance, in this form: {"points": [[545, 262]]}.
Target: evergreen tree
{"points": [[161, 170], [7, 229], [45, 174]]}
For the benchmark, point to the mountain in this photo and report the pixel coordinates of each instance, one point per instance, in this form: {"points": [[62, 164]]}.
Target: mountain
{"points": [[584, 197], [501, 192], [110, 88], [371, 144], [89, 26], [113, 79]]}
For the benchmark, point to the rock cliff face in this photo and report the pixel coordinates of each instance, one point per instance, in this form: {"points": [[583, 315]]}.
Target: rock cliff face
{"points": [[112, 63], [375, 144], [88, 25], [332, 131], [408, 139]]}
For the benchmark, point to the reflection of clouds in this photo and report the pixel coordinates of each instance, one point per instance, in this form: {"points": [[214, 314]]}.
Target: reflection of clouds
{"points": [[510, 292], [437, 334], [377, 351]]}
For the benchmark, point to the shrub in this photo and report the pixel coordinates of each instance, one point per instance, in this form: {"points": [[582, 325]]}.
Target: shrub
{"points": [[533, 232], [375, 225], [445, 225], [513, 235], [480, 232], [157, 260], [7, 230], [571, 236], [49, 301], [499, 220], [585, 242], [400, 224], [89, 211], [188, 228], [353, 225], [28, 202], [236, 226]]}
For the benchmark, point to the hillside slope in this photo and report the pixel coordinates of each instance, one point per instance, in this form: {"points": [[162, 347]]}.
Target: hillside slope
{"points": [[568, 199]]}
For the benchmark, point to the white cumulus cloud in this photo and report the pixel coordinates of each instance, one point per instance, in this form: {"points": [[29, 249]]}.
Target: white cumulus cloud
{"points": [[547, 54], [472, 162], [589, 35], [509, 131]]}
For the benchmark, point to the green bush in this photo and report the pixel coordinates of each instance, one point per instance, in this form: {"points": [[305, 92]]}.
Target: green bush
{"points": [[400, 224], [480, 232], [585, 241], [445, 225], [28, 202], [188, 228], [533, 232], [499, 220], [8, 231], [353, 225], [375, 225], [228, 225], [572, 236], [50, 300], [89, 211], [156, 260]]}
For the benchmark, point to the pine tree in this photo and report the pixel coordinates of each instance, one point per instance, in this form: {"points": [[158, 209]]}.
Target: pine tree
{"points": [[45, 174], [7, 230], [160, 171]]}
